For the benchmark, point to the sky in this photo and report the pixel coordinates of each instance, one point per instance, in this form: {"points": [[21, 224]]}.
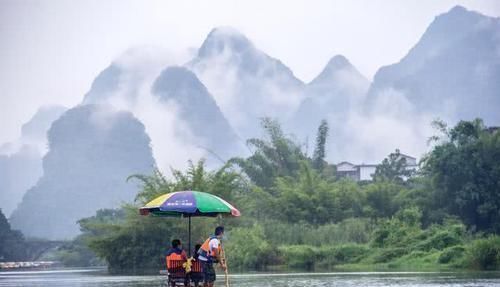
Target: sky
{"points": [[50, 51]]}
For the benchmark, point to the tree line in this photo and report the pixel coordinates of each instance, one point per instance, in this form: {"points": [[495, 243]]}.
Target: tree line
{"points": [[297, 213]]}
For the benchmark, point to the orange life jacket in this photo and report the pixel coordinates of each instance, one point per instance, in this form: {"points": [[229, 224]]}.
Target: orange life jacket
{"points": [[173, 256], [205, 249]]}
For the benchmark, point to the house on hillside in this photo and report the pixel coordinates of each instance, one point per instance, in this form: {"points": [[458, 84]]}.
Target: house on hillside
{"points": [[365, 172]]}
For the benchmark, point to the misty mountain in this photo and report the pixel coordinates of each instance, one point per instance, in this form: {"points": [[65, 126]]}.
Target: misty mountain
{"points": [[104, 86], [189, 116], [130, 74], [246, 83], [18, 172], [332, 95], [35, 130], [207, 125], [453, 71], [92, 150], [21, 161]]}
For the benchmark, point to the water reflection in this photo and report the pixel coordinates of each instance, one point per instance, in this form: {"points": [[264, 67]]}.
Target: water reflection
{"points": [[94, 278]]}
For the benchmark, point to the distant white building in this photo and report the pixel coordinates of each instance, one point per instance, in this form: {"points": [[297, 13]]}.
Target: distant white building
{"points": [[363, 172]]}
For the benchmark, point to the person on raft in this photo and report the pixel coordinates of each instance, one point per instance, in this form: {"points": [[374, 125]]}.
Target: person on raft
{"points": [[209, 253], [196, 249], [175, 253]]}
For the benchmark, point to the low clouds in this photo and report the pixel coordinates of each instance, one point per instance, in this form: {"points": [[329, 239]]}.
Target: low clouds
{"points": [[246, 83], [392, 124], [171, 141], [51, 50], [21, 160]]}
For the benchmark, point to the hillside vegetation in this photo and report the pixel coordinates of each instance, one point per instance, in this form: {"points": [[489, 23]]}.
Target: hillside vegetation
{"points": [[296, 213]]}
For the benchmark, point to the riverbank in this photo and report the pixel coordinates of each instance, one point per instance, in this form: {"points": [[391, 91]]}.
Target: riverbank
{"points": [[29, 265]]}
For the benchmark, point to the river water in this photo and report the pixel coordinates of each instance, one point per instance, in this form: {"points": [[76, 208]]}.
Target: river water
{"points": [[94, 278]]}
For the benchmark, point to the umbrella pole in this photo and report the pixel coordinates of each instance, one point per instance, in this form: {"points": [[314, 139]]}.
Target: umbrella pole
{"points": [[189, 237], [226, 272]]}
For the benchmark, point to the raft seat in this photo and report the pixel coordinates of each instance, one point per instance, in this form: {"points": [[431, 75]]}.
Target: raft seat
{"points": [[177, 274], [196, 274]]}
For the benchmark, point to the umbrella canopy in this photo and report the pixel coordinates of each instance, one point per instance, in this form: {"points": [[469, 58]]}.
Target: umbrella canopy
{"points": [[188, 204]]}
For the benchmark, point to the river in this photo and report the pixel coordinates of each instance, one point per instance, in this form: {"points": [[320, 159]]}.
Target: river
{"points": [[94, 278]]}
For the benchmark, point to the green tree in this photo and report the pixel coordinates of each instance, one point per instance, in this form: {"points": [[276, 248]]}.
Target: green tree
{"points": [[298, 198], [320, 150], [275, 155], [222, 182], [12, 243], [464, 168], [310, 198], [248, 248], [382, 199], [393, 169]]}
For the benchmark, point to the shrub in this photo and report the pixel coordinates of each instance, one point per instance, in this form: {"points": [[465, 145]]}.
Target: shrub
{"points": [[300, 256], [350, 253], [451, 254], [309, 257], [352, 230], [440, 240], [341, 254], [385, 255], [484, 254], [417, 254], [247, 248]]}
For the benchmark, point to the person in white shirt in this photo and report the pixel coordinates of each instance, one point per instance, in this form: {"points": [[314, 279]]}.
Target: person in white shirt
{"points": [[210, 253]]}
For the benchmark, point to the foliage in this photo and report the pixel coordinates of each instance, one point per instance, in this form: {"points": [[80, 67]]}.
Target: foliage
{"points": [[299, 256], [484, 253], [12, 243], [345, 253], [319, 155], [296, 213], [132, 243], [464, 169], [452, 254], [311, 257], [76, 253], [393, 169], [310, 198], [382, 199], [275, 155], [248, 248], [352, 230], [221, 182]]}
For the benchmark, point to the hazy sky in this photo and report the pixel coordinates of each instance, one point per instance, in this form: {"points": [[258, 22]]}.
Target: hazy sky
{"points": [[50, 51]]}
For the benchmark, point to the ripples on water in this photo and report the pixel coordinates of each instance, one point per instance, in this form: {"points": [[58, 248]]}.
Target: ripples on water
{"points": [[94, 278]]}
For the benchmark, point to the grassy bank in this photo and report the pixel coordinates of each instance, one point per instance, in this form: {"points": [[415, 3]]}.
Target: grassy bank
{"points": [[396, 244]]}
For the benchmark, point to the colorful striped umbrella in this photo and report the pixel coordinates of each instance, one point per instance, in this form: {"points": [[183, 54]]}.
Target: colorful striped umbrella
{"points": [[188, 204]]}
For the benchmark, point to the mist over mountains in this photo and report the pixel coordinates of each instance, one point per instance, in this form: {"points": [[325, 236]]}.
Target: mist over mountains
{"points": [[453, 70], [247, 83], [21, 161], [337, 92], [207, 125], [146, 109], [92, 150]]}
